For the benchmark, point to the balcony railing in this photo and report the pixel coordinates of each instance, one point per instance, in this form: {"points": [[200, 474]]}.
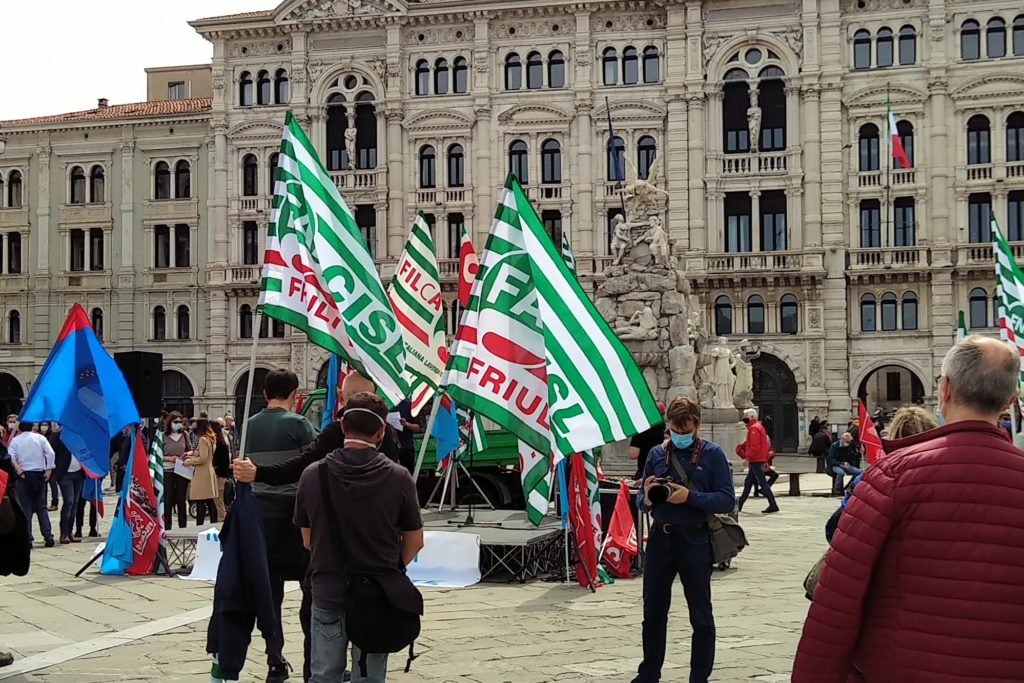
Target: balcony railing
{"points": [[549, 192], [869, 179], [252, 204], [889, 257], [243, 275], [1015, 169], [448, 268], [354, 180], [981, 254], [754, 262], [979, 172], [757, 163], [426, 197], [904, 176], [14, 218], [454, 196]]}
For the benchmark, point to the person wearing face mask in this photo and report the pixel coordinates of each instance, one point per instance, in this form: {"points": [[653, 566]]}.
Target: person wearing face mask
{"points": [[756, 450], [12, 428], [43, 428], [176, 444], [203, 487], [699, 482], [70, 477]]}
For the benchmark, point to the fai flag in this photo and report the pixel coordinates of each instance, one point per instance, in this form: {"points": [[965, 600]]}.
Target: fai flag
{"points": [[869, 436], [898, 153], [81, 387], [582, 523], [621, 546], [468, 265]]}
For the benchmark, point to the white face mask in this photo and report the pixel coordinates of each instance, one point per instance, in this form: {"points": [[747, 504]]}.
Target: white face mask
{"points": [[44, 428]]}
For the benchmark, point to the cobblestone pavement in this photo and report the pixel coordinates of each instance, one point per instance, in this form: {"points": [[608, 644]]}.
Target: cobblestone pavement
{"points": [[98, 629]]}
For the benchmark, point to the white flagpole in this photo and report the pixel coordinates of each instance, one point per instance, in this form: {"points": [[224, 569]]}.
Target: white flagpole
{"points": [[426, 439], [248, 388]]}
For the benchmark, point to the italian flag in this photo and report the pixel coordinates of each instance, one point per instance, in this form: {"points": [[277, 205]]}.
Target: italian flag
{"points": [[318, 275], [898, 153]]}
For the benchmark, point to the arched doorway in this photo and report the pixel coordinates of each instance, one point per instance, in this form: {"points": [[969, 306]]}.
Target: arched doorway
{"points": [[775, 398], [890, 387], [11, 395], [258, 401], [178, 393]]}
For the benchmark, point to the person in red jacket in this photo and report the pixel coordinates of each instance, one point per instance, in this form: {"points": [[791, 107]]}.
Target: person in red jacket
{"points": [[922, 582], [756, 450]]}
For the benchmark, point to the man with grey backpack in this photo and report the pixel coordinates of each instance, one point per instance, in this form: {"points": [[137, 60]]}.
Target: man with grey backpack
{"points": [[360, 518]]}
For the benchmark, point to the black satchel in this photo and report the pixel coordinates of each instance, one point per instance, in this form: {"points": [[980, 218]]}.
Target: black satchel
{"points": [[378, 619], [726, 534]]}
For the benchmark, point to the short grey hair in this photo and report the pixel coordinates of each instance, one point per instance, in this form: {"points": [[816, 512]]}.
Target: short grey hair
{"points": [[751, 413], [982, 373]]}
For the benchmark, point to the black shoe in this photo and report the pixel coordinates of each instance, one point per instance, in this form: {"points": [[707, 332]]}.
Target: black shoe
{"points": [[346, 677], [6, 659], [278, 672], [770, 510], [93, 533], [78, 534], [50, 542], [53, 507]]}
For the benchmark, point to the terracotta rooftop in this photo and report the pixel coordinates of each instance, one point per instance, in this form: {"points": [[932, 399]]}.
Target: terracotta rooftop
{"points": [[241, 15], [138, 110]]}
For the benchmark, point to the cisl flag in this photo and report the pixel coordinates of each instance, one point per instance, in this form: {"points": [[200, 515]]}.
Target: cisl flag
{"points": [[621, 546]]}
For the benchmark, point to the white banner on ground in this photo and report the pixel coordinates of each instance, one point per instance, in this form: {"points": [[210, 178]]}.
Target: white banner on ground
{"points": [[208, 554], [448, 560]]}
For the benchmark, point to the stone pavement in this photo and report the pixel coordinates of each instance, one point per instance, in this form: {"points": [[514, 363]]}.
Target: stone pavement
{"points": [[99, 629]]}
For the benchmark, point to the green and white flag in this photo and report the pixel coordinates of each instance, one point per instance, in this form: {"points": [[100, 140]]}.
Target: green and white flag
{"points": [[318, 275], [415, 295], [1009, 289], [536, 475], [156, 473], [570, 261], [961, 327]]}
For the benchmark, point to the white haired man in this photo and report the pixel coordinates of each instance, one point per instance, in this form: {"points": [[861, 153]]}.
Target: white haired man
{"points": [[756, 451]]}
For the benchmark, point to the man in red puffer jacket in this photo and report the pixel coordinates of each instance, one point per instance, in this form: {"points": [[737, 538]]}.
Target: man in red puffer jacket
{"points": [[756, 450], [923, 580]]}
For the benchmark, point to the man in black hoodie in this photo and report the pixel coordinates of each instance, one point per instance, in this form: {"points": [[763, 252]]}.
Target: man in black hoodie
{"points": [[377, 510]]}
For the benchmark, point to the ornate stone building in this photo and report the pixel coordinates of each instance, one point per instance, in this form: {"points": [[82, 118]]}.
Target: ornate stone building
{"points": [[763, 123]]}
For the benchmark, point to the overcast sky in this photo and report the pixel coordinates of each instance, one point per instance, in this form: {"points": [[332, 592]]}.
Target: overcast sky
{"points": [[64, 54]]}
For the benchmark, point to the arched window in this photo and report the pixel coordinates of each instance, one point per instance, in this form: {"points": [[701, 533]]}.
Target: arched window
{"points": [[610, 62], [652, 65], [337, 124], [456, 166], [883, 47], [646, 153], [245, 321], [460, 76], [245, 89], [274, 162], [723, 316], [616, 159], [96, 189], [77, 185], [14, 333], [513, 72], [250, 176], [423, 77], [970, 40], [995, 38], [556, 69], [518, 163], [366, 132], [868, 147], [630, 66], [736, 75], [264, 327], [183, 322], [162, 181], [862, 50], [867, 313], [1015, 136], [551, 162], [1018, 36], [159, 323], [978, 309], [263, 88], [905, 129], [428, 167], [534, 71], [277, 329], [755, 315], [441, 77], [789, 315], [979, 148], [14, 190], [888, 312], [182, 180], [96, 318], [909, 311], [281, 93], [908, 46]]}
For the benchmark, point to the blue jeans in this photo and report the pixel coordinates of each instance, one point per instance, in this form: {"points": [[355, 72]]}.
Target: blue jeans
{"points": [[688, 557], [330, 648], [31, 493], [755, 475], [840, 470], [71, 492]]}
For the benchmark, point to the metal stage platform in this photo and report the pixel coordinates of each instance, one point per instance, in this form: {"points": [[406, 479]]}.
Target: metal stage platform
{"points": [[514, 551]]}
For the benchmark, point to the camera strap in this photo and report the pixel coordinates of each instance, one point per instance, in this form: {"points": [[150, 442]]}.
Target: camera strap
{"points": [[678, 467]]}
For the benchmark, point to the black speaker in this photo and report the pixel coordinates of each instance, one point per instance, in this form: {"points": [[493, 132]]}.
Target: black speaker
{"points": [[144, 373]]}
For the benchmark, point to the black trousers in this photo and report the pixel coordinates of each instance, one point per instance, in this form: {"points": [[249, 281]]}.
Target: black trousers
{"points": [[275, 646], [202, 508], [175, 496], [688, 557], [80, 516], [755, 475]]}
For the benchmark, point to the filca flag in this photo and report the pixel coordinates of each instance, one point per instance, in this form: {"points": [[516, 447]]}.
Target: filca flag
{"points": [[81, 387]]}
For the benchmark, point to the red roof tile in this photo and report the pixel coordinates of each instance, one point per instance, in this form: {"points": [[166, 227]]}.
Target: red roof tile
{"points": [[241, 15], [138, 110]]}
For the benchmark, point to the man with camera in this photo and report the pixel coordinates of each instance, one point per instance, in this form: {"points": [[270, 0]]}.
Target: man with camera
{"points": [[685, 480]]}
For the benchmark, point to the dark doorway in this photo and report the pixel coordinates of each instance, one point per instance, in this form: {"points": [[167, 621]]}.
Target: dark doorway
{"points": [[890, 387], [259, 402], [775, 399], [11, 395], [177, 393]]}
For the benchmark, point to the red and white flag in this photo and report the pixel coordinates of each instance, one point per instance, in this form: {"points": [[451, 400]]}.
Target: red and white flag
{"points": [[582, 522], [141, 512], [898, 153], [468, 265], [869, 436], [621, 545]]}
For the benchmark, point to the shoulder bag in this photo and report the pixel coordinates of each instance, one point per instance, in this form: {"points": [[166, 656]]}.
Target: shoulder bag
{"points": [[727, 536]]}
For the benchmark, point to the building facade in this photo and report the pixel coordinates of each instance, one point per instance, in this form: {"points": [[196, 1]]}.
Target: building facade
{"points": [[763, 122]]}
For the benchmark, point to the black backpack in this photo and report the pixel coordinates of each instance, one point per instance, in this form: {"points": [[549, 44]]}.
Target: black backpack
{"points": [[382, 611]]}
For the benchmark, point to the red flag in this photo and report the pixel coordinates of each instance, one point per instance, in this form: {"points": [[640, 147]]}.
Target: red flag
{"points": [[621, 545], [582, 523], [3, 484], [141, 511], [468, 265], [869, 436]]}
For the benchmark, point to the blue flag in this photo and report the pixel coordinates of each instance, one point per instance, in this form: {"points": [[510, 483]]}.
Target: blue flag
{"points": [[81, 387], [119, 554], [446, 430], [563, 491], [331, 391]]}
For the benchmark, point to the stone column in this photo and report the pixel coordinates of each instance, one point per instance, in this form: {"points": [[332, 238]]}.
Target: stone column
{"points": [[755, 221], [676, 161], [810, 135], [941, 224], [127, 209], [697, 150], [794, 219], [218, 205], [584, 240], [395, 216], [712, 233]]}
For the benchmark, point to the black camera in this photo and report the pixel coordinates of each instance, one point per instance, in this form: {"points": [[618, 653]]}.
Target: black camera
{"points": [[659, 491]]}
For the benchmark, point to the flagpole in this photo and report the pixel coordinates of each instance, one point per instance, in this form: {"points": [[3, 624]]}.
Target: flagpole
{"points": [[612, 152], [248, 388], [426, 440], [888, 172]]}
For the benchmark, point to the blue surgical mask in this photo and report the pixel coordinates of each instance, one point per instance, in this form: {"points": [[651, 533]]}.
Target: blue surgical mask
{"points": [[1007, 425], [176, 426], [681, 440]]}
